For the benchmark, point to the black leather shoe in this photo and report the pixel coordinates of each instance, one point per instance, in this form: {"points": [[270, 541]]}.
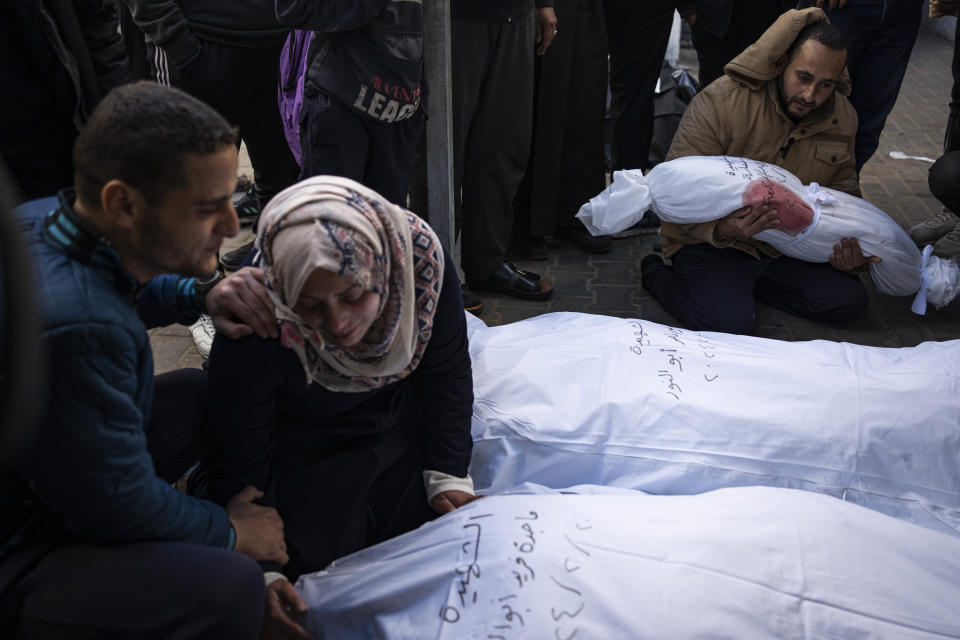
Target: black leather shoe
{"points": [[509, 279]]}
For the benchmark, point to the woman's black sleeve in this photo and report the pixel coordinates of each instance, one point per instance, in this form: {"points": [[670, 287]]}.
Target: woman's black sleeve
{"points": [[444, 381]]}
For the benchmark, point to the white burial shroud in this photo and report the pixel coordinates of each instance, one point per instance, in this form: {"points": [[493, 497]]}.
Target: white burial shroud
{"points": [[567, 398], [753, 562], [812, 218]]}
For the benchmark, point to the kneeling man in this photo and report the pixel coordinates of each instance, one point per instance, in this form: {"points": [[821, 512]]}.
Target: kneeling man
{"points": [[781, 101]]}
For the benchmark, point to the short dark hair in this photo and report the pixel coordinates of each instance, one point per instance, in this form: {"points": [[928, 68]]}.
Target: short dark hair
{"points": [[140, 133], [823, 32]]}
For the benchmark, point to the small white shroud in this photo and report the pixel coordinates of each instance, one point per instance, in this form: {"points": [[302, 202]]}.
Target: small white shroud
{"points": [[704, 188]]}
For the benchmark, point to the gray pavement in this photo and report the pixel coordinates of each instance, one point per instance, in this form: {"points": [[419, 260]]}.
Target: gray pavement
{"points": [[609, 284]]}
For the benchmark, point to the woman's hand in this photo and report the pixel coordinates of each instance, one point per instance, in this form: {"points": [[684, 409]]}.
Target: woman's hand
{"points": [[447, 501], [282, 606]]}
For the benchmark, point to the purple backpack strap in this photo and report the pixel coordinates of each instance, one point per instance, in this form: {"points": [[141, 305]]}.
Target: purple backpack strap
{"points": [[293, 69]]}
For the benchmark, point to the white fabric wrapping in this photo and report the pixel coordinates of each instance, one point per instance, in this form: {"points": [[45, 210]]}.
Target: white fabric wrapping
{"points": [[569, 398], [736, 563], [703, 188]]}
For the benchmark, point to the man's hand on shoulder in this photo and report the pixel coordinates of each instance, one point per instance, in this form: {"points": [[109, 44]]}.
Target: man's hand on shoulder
{"points": [[747, 222], [259, 529], [848, 256], [240, 305]]}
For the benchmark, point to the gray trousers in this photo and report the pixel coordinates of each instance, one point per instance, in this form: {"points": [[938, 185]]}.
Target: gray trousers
{"points": [[492, 127]]}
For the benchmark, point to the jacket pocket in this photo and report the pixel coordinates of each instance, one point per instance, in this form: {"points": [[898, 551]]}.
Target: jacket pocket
{"points": [[834, 154]]}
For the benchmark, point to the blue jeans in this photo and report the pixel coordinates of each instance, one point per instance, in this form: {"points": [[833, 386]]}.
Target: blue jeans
{"points": [[880, 36]]}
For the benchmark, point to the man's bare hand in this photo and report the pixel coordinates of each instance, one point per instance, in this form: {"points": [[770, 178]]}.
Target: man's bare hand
{"points": [[259, 529], [830, 5], [240, 305], [848, 256], [546, 28], [748, 222], [447, 501], [281, 609]]}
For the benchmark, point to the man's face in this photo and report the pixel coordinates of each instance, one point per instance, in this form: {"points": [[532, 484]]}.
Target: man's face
{"points": [[810, 78], [182, 233]]}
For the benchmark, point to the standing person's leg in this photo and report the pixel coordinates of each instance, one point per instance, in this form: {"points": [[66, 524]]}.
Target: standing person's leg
{"points": [[393, 150], [582, 161], [747, 22], [261, 127], [944, 180], [145, 590], [880, 34], [951, 141], [815, 291], [496, 140], [332, 138], [706, 288], [637, 34]]}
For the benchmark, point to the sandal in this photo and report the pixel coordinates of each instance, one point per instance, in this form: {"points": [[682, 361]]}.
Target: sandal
{"points": [[512, 281]]}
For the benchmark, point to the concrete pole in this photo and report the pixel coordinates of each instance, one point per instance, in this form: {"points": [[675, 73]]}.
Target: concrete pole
{"points": [[436, 57]]}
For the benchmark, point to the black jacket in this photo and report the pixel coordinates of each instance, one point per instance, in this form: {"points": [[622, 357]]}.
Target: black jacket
{"points": [[60, 58], [367, 54]]}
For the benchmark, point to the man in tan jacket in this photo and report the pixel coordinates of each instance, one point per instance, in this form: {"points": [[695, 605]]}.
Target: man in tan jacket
{"points": [[781, 101]]}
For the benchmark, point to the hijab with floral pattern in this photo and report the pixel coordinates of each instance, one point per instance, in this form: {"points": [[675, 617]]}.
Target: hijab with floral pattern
{"points": [[337, 224]]}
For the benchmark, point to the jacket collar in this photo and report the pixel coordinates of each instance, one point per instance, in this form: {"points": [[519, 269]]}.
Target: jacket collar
{"points": [[64, 230]]}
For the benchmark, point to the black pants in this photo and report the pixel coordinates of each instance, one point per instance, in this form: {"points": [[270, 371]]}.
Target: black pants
{"points": [[492, 127], [338, 495], [566, 166], [638, 34], [714, 289], [241, 84], [141, 590], [747, 22], [944, 180], [951, 140], [337, 140]]}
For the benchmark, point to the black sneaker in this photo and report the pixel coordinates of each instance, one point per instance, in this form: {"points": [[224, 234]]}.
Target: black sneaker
{"points": [[233, 260], [248, 207]]}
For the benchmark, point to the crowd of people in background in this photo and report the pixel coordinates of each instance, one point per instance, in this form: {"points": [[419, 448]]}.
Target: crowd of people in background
{"points": [[336, 410]]}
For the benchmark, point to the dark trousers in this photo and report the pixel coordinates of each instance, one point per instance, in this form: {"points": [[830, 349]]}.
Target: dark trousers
{"points": [[566, 166], [637, 33], [338, 495], [337, 140], [880, 36], [747, 22], [944, 180], [241, 84], [140, 590], [713, 289], [951, 140], [492, 127]]}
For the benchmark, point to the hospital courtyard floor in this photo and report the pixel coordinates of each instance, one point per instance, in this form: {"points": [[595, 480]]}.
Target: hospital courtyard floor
{"points": [[609, 284]]}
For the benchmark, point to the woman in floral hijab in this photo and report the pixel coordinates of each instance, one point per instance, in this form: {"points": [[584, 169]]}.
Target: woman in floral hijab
{"points": [[356, 421]]}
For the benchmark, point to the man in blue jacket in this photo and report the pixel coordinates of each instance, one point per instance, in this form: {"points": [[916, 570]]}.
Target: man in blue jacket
{"points": [[93, 537]]}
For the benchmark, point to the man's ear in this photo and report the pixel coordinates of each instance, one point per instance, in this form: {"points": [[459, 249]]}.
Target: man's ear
{"points": [[121, 203]]}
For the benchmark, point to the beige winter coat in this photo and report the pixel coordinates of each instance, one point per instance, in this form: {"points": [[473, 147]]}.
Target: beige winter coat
{"points": [[940, 8], [740, 115]]}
